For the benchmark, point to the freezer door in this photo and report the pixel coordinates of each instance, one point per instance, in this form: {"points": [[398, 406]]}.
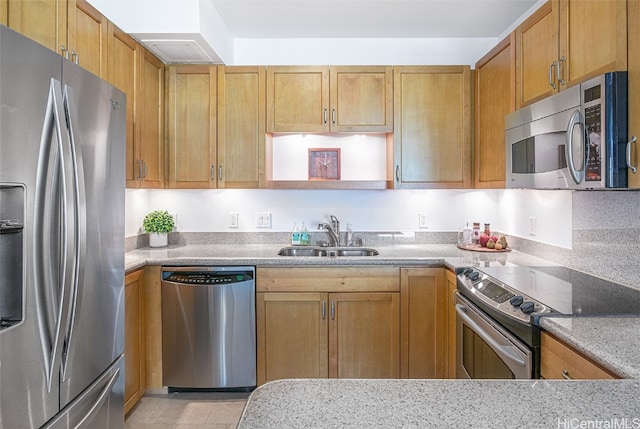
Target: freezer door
{"points": [[99, 406], [28, 369], [95, 334]]}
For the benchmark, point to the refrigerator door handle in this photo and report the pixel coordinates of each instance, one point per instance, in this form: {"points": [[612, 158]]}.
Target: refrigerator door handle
{"points": [[51, 240], [78, 226]]}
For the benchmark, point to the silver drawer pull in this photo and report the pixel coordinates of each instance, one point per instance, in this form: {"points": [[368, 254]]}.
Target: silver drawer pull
{"points": [[629, 143], [565, 374]]}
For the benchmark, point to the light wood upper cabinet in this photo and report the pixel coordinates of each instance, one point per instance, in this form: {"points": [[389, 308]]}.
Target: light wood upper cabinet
{"points": [[87, 32], [423, 348], [191, 116], [495, 97], [322, 99], [593, 38], [361, 99], [536, 50], [559, 361], [567, 42], [432, 127], [44, 21], [241, 127], [4, 12], [123, 74], [72, 28], [634, 89], [134, 344], [150, 122], [298, 99]]}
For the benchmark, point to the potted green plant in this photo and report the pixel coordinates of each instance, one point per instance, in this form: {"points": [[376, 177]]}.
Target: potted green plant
{"points": [[158, 224]]}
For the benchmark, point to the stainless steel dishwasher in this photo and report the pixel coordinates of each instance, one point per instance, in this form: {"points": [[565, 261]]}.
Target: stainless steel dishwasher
{"points": [[208, 328]]}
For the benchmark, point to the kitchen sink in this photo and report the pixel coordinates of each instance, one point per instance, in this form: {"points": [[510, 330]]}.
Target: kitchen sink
{"points": [[327, 251]]}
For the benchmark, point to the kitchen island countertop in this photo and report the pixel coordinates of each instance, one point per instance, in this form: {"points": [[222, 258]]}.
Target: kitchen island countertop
{"points": [[344, 403], [611, 341]]}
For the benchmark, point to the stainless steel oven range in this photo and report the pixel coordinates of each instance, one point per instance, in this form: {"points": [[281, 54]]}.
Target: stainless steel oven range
{"points": [[498, 310]]}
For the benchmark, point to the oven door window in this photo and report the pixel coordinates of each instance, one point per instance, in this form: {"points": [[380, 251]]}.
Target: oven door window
{"points": [[479, 360]]}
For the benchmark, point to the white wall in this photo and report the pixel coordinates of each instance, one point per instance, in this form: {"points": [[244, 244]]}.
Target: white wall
{"points": [[435, 51], [391, 210]]}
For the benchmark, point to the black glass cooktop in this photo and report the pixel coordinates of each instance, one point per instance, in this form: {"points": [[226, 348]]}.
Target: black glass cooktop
{"points": [[567, 291]]}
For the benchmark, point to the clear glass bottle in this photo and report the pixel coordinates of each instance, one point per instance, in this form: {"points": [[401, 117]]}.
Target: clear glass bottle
{"points": [[476, 232]]}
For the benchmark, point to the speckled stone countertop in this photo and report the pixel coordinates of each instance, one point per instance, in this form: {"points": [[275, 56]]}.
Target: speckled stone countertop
{"points": [[611, 341], [342, 403], [259, 254]]}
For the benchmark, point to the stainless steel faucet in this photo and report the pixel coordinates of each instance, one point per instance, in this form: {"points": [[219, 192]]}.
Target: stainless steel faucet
{"points": [[333, 229]]}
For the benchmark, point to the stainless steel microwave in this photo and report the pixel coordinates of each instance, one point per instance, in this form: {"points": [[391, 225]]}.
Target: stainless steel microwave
{"points": [[576, 139]]}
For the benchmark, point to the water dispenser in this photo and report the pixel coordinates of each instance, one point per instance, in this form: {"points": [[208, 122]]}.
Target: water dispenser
{"points": [[11, 254]]}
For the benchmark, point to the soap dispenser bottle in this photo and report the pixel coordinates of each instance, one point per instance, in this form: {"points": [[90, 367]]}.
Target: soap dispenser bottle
{"points": [[304, 235], [295, 235]]}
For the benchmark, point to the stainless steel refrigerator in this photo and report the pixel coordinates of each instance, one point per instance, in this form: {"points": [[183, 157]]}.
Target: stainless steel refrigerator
{"points": [[62, 149]]}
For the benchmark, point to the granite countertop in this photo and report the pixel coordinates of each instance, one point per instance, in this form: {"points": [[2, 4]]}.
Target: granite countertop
{"points": [[260, 254], [612, 341], [344, 403]]}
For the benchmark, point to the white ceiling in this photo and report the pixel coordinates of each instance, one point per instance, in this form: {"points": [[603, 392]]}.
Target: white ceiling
{"points": [[216, 30], [369, 18]]}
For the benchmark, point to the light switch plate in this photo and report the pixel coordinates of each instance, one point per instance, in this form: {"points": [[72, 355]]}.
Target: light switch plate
{"points": [[233, 219], [263, 220]]}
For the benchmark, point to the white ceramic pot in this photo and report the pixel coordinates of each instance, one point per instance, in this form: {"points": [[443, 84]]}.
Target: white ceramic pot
{"points": [[158, 239]]}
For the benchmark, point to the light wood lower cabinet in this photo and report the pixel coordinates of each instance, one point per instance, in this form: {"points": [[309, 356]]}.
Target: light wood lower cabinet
{"points": [[134, 344], [558, 361], [428, 334], [452, 342], [328, 322]]}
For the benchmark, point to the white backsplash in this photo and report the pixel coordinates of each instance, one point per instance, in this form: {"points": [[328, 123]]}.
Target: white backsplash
{"points": [[507, 211]]}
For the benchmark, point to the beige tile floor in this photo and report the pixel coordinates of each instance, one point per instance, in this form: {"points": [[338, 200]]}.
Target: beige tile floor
{"points": [[216, 410]]}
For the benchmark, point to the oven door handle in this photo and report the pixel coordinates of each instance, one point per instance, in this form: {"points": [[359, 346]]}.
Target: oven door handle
{"points": [[503, 351]]}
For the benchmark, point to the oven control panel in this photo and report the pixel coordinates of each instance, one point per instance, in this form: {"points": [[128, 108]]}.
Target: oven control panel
{"points": [[503, 298]]}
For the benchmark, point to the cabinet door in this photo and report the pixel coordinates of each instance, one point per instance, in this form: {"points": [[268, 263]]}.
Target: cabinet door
{"points": [[134, 343], [424, 323], [191, 98], [451, 323], [558, 361], [634, 90], [364, 335], [4, 12], [241, 127], [122, 73], [298, 99], [292, 335], [432, 127], [536, 55], [593, 38], [361, 99], [44, 21], [87, 37], [150, 120], [495, 97]]}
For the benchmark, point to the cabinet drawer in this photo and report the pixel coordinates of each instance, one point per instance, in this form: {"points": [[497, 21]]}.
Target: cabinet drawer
{"points": [[328, 279], [559, 361]]}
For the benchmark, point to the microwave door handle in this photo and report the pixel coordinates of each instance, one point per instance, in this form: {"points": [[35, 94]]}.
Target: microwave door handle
{"points": [[576, 175], [629, 143], [505, 352]]}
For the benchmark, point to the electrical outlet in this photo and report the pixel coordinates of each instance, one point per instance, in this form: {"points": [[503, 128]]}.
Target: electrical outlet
{"points": [[263, 220], [233, 219], [533, 227], [422, 220]]}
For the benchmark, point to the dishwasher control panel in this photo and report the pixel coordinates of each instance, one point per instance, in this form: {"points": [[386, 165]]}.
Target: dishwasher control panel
{"points": [[208, 278]]}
